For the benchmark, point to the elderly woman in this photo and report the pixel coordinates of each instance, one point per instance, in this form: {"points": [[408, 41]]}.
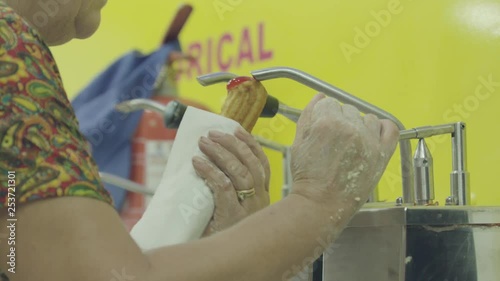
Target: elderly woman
{"points": [[66, 228]]}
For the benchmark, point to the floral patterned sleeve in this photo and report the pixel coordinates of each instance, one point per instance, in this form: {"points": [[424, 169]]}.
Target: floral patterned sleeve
{"points": [[39, 137]]}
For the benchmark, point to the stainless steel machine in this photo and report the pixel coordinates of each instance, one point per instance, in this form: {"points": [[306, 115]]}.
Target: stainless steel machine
{"points": [[421, 241], [414, 243], [410, 239]]}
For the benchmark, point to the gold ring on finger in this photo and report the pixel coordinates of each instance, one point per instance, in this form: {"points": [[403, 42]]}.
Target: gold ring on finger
{"points": [[244, 194]]}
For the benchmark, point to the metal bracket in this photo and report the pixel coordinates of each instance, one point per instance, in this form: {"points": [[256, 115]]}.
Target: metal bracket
{"points": [[459, 177]]}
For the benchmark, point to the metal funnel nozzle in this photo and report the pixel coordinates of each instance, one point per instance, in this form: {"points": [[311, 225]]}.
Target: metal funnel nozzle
{"points": [[423, 166]]}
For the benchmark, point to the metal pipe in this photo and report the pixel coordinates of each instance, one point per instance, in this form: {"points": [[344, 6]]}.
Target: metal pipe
{"points": [[214, 78], [363, 106], [287, 172], [125, 184], [270, 144], [139, 104], [427, 131], [287, 158], [373, 197], [289, 112], [459, 178]]}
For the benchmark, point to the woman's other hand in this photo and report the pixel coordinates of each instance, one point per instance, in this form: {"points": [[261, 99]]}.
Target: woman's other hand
{"points": [[237, 173], [338, 156]]}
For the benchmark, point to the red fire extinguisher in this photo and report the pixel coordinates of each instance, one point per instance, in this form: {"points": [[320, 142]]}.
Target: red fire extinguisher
{"points": [[152, 141]]}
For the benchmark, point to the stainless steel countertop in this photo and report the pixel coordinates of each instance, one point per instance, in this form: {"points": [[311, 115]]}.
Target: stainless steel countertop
{"points": [[378, 214]]}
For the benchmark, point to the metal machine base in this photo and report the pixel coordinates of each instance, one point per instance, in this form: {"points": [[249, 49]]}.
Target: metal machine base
{"points": [[416, 244]]}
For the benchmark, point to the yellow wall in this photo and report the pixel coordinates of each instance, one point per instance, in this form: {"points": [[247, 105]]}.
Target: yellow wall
{"points": [[425, 61]]}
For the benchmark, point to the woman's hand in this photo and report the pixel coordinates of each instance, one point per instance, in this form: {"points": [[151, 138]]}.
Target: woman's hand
{"points": [[338, 156], [236, 165]]}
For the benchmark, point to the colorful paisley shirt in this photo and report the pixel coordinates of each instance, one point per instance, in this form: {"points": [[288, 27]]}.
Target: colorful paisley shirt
{"points": [[41, 148], [42, 152]]}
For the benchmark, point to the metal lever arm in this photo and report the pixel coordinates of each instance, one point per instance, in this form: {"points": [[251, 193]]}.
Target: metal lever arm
{"points": [[139, 104], [363, 106]]}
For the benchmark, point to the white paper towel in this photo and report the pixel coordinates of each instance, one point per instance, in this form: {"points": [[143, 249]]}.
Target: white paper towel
{"points": [[182, 205]]}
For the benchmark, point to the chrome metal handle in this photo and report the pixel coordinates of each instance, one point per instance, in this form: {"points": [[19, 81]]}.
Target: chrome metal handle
{"points": [[215, 78], [363, 106], [125, 184], [140, 104]]}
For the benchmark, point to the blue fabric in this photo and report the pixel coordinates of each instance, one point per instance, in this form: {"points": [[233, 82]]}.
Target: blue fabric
{"points": [[109, 131]]}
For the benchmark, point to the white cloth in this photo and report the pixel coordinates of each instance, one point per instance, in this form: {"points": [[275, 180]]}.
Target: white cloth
{"points": [[182, 205]]}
